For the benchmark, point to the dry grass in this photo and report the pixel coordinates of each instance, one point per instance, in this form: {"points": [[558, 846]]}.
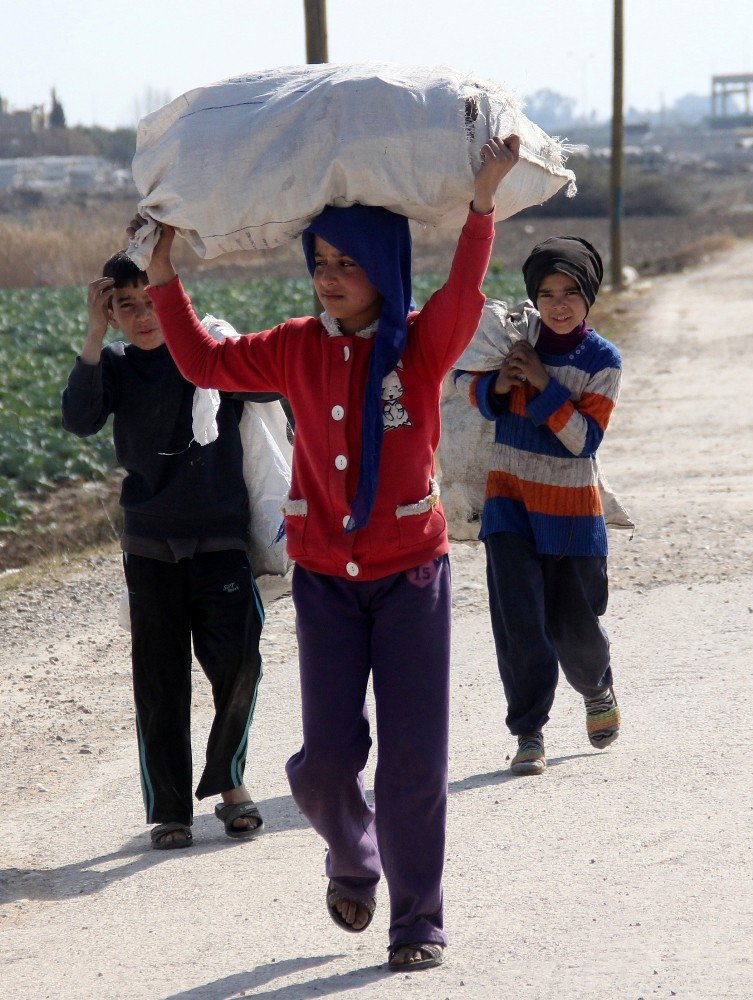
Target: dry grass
{"points": [[66, 243], [41, 256], [61, 245]]}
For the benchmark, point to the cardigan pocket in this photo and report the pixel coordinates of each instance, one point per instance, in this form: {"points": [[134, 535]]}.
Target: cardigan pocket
{"points": [[421, 522], [295, 513]]}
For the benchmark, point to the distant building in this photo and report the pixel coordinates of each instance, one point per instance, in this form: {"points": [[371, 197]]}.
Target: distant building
{"points": [[18, 123], [636, 130], [45, 173], [19, 130], [24, 122], [725, 109]]}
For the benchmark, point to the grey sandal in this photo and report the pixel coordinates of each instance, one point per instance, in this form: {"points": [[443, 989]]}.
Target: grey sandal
{"points": [[334, 896], [160, 833], [229, 813]]}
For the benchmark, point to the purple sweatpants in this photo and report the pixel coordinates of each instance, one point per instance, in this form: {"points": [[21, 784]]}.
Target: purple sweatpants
{"points": [[398, 629]]}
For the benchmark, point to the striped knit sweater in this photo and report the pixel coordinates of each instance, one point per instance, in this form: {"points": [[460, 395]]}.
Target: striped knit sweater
{"points": [[542, 482]]}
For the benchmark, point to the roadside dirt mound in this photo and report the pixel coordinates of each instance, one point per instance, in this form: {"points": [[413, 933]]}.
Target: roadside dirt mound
{"points": [[68, 520]]}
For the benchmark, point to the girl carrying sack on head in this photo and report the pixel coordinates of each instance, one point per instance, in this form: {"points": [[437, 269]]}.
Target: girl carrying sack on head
{"points": [[365, 527]]}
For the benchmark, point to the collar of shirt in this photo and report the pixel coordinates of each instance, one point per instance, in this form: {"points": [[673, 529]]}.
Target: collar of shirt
{"points": [[332, 326]]}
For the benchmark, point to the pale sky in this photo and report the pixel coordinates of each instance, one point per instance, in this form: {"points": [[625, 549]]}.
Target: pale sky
{"points": [[109, 61]]}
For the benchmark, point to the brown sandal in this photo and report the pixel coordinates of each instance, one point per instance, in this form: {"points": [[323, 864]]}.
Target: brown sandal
{"points": [[227, 815], [432, 955], [161, 832], [334, 896]]}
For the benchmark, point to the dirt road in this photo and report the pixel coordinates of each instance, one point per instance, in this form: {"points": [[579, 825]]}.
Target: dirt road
{"points": [[623, 874]]}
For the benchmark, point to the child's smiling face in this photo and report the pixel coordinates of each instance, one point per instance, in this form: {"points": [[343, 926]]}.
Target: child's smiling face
{"points": [[132, 312], [560, 302], [343, 288]]}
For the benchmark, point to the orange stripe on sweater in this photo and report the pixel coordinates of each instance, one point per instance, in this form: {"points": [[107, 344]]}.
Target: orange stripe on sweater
{"points": [[590, 404], [560, 417], [593, 404], [541, 498], [519, 397]]}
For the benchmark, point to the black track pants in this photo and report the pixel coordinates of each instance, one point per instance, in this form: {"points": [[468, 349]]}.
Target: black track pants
{"points": [[213, 599]]}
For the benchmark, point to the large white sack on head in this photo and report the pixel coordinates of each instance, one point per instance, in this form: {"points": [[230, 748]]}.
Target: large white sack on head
{"points": [[245, 164], [467, 449]]}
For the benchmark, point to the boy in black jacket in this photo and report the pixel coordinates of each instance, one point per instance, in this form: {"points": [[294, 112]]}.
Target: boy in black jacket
{"points": [[184, 555]]}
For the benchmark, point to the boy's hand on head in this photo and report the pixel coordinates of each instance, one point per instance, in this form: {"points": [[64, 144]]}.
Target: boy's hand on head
{"points": [[161, 269], [98, 298], [498, 157]]}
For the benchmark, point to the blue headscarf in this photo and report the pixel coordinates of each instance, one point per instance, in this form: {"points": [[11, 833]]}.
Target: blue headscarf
{"points": [[379, 241]]}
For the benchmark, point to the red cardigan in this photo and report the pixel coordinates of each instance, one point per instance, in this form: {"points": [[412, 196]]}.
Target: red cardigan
{"points": [[324, 378]]}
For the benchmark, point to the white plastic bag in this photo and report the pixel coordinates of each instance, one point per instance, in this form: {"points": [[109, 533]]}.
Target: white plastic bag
{"points": [[246, 163], [124, 611], [267, 457], [204, 409], [266, 469]]}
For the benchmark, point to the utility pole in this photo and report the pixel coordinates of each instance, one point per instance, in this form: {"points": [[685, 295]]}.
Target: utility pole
{"points": [[316, 31], [315, 12], [616, 194]]}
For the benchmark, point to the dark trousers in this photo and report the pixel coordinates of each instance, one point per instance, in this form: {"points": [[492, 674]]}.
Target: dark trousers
{"points": [[213, 599], [545, 610], [398, 630]]}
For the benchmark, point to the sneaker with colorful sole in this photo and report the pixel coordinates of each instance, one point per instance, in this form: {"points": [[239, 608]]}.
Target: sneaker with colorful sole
{"points": [[602, 719], [530, 758]]}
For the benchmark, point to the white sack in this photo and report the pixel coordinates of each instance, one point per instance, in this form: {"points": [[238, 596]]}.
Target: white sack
{"points": [[245, 164], [467, 449], [124, 611], [267, 458], [266, 469], [204, 407]]}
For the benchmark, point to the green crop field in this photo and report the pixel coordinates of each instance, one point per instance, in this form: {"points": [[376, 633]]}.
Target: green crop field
{"points": [[41, 332]]}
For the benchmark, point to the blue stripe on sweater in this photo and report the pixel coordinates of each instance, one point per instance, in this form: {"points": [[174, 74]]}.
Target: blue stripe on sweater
{"points": [[521, 433], [552, 535]]}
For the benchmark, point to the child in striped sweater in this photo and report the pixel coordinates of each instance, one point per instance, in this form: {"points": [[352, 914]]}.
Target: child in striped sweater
{"points": [[543, 525]]}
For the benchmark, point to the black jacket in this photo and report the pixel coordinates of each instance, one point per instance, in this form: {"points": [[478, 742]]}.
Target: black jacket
{"points": [[174, 487]]}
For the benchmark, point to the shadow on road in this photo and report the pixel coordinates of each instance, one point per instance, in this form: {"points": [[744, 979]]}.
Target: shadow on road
{"points": [[245, 981], [83, 878]]}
